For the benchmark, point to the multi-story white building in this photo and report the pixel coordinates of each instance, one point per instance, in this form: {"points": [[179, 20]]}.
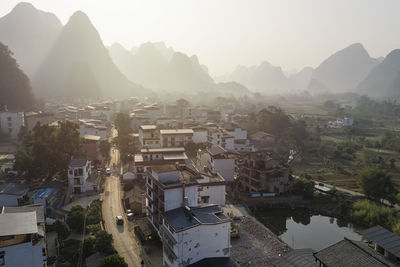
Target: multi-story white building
{"points": [[190, 234], [22, 241], [157, 156], [92, 127], [219, 161], [218, 137], [149, 136], [168, 185], [11, 123], [176, 137], [80, 177]]}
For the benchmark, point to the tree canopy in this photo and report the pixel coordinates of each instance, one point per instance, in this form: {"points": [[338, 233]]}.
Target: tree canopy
{"points": [[15, 88], [376, 183], [113, 261], [47, 150], [123, 123], [126, 145]]}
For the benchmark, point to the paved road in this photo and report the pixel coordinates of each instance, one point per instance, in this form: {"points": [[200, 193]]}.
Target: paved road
{"points": [[124, 242]]}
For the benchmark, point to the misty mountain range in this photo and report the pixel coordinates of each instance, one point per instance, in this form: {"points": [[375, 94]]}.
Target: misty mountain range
{"points": [[71, 61]]}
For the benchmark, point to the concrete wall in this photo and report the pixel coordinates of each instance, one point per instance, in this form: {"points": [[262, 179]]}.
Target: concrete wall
{"points": [[11, 123], [216, 194], [225, 167], [204, 241], [173, 197]]}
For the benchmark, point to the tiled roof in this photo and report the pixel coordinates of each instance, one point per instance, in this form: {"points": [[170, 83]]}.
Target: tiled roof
{"points": [[347, 253], [78, 162], [14, 189]]}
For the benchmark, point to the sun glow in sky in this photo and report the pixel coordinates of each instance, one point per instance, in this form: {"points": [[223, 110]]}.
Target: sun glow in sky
{"points": [[225, 33]]}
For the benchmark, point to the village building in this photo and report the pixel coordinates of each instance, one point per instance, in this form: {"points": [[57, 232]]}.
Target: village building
{"points": [[176, 137], [13, 194], [149, 136], [11, 123], [80, 176], [22, 239], [262, 173], [191, 234]]}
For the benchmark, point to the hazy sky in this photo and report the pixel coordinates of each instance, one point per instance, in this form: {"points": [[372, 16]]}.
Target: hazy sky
{"points": [[225, 33]]}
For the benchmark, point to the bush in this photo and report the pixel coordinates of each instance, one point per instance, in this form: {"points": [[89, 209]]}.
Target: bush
{"points": [[76, 217], [128, 186], [369, 214], [113, 261], [94, 213], [103, 243], [93, 228], [62, 229], [88, 246], [69, 251]]}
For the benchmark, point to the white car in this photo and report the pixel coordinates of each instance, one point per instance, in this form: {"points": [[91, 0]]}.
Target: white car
{"points": [[119, 220], [108, 171]]}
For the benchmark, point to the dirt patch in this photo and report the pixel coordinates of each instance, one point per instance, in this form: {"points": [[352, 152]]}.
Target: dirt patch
{"points": [[257, 245]]}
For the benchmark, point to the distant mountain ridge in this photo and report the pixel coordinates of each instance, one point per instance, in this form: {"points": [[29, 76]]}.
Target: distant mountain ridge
{"points": [[343, 71], [29, 33], [79, 48], [156, 66], [384, 79]]}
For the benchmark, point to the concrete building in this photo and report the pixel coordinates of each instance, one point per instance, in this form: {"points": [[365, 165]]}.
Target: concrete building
{"points": [[220, 161], [262, 172], [93, 127], [157, 156], [191, 234], [13, 194], [149, 136], [32, 118], [80, 177], [11, 123], [45, 197], [22, 240], [200, 135], [176, 137], [218, 137], [168, 186]]}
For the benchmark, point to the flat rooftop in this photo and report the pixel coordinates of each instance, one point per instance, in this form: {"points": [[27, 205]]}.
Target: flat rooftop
{"points": [[18, 223], [148, 127], [162, 150], [177, 131], [181, 219]]}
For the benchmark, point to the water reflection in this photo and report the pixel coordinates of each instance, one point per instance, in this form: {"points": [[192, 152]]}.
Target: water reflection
{"points": [[301, 229]]}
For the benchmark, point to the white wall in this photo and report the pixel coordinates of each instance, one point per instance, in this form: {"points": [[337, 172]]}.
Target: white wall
{"points": [[225, 167], [173, 197], [23, 255], [200, 136], [12, 126], [204, 241], [216, 194]]}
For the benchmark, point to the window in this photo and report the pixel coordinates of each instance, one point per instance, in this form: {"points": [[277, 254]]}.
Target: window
{"points": [[9, 124], [9, 118], [205, 199], [2, 258]]}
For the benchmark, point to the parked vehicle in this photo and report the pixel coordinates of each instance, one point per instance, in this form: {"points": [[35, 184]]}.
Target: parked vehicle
{"points": [[119, 220], [108, 171]]}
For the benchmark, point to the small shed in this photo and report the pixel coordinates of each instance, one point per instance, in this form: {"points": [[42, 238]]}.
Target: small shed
{"points": [[128, 176]]}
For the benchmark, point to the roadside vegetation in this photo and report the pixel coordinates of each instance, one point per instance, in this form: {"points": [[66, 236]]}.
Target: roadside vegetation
{"points": [[124, 142]]}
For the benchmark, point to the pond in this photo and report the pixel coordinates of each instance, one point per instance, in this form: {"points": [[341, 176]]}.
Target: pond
{"points": [[300, 228]]}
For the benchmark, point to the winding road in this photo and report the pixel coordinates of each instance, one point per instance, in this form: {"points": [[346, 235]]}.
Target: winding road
{"points": [[124, 241]]}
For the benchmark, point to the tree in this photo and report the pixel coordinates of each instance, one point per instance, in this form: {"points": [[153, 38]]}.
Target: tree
{"points": [[76, 217], [47, 150], [88, 246], [62, 229], [376, 183], [15, 88], [303, 187], [126, 145], [105, 148], [113, 261], [103, 242], [123, 123]]}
